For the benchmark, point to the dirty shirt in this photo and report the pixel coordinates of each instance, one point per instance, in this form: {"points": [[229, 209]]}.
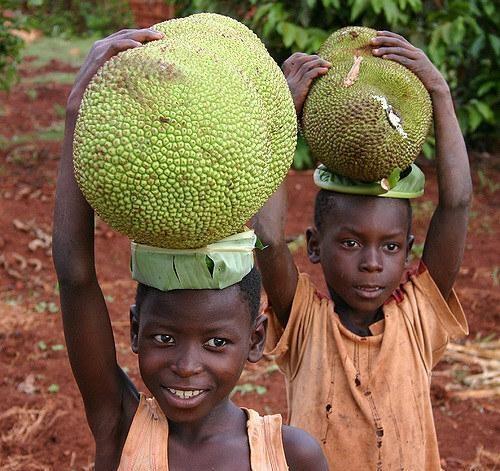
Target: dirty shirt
{"points": [[367, 399], [146, 446]]}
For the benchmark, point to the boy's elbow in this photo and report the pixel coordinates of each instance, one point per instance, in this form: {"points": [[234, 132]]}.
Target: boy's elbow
{"points": [[70, 272], [466, 199], [460, 199], [73, 276]]}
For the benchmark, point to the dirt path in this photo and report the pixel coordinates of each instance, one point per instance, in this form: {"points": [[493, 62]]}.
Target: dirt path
{"points": [[42, 423]]}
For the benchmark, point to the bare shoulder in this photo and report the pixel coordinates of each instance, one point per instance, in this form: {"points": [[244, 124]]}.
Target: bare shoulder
{"points": [[302, 451]]}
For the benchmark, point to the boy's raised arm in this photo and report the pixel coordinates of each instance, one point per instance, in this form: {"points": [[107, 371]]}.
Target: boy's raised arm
{"points": [[445, 241], [279, 274], [87, 326]]}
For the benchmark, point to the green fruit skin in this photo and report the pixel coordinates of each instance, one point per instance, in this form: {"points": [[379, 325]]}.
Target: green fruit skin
{"points": [[347, 128], [179, 142]]}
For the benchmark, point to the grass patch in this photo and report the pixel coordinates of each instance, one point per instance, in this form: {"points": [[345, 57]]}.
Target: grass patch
{"points": [[417, 251], [55, 132], [70, 51], [63, 78], [59, 110]]}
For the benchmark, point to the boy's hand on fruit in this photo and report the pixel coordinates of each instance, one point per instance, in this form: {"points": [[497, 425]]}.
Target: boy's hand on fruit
{"points": [[392, 46], [300, 70], [101, 52]]}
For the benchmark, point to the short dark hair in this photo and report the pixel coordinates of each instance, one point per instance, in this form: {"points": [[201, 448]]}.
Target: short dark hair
{"points": [[325, 202], [250, 287]]}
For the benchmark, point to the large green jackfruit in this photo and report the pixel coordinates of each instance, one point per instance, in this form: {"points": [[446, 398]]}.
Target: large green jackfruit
{"points": [[367, 115], [179, 142]]}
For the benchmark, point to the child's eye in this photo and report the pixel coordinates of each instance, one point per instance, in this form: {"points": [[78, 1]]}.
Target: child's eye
{"points": [[216, 342], [165, 339], [392, 247], [350, 244]]}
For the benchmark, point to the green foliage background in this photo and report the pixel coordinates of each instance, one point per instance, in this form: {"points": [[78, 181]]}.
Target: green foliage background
{"points": [[69, 18], [55, 18], [460, 37], [10, 45]]}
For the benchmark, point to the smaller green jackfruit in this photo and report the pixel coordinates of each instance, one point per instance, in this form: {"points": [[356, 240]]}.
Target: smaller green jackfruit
{"points": [[367, 115]]}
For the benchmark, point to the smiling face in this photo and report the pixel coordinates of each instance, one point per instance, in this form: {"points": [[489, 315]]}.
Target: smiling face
{"points": [[192, 347], [362, 246]]}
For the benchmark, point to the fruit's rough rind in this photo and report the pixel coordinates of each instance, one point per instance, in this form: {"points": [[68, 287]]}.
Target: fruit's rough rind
{"points": [[179, 142], [379, 122]]}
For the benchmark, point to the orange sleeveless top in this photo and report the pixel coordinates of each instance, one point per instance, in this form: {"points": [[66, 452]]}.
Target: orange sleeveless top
{"points": [[146, 447]]}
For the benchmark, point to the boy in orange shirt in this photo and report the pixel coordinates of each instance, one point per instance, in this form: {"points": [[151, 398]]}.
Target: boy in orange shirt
{"points": [[358, 365]]}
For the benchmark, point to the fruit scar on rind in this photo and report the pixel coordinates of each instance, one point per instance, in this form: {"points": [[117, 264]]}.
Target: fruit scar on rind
{"points": [[353, 74], [392, 117]]}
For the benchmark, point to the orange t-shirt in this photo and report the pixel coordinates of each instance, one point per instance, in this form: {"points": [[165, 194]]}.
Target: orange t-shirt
{"points": [[367, 399]]}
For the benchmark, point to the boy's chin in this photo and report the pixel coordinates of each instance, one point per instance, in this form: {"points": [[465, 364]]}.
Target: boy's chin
{"points": [[361, 300]]}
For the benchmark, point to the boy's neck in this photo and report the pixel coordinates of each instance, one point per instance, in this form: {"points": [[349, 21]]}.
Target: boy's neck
{"points": [[358, 322], [226, 417]]}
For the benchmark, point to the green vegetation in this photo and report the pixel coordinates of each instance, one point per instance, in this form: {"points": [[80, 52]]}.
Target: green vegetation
{"points": [[70, 28], [70, 51], [248, 388], [10, 45], [64, 78], [69, 18], [54, 132]]}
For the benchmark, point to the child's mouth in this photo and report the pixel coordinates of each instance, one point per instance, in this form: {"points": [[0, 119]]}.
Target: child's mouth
{"points": [[185, 398], [186, 394], [368, 291]]}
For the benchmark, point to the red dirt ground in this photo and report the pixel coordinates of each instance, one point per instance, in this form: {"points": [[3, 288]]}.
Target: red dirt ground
{"points": [[42, 422]]}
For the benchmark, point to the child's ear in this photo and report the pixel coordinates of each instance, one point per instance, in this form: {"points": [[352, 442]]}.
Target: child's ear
{"points": [[409, 245], [312, 237], [258, 339], [134, 328]]}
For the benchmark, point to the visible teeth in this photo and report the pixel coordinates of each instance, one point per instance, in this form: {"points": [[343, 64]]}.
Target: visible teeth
{"points": [[185, 394]]}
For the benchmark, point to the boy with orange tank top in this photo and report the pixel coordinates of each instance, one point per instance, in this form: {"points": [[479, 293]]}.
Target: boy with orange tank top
{"points": [[191, 344]]}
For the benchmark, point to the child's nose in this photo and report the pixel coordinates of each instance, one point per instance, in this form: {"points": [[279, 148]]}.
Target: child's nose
{"points": [[187, 363], [371, 261]]}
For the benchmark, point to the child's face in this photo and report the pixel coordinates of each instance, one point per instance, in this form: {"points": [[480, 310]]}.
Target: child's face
{"points": [[192, 347], [362, 248]]}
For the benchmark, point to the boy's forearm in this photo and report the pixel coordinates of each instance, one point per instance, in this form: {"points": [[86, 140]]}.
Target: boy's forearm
{"points": [[455, 186], [73, 238], [279, 274], [445, 241]]}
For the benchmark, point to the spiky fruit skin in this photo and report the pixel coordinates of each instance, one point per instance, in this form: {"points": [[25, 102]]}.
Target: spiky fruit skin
{"points": [[347, 128], [179, 142]]}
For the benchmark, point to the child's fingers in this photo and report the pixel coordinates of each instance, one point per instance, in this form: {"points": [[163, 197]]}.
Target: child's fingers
{"points": [[296, 57], [116, 46], [390, 34], [406, 61], [316, 72], [400, 51], [296, 61], [143, 35], [313, 64], [118, 33], [390, 41]]}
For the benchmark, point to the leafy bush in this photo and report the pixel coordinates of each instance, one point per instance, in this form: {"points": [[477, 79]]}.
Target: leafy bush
{"points": [[460, 37], [69, 18], [10, 45]]}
